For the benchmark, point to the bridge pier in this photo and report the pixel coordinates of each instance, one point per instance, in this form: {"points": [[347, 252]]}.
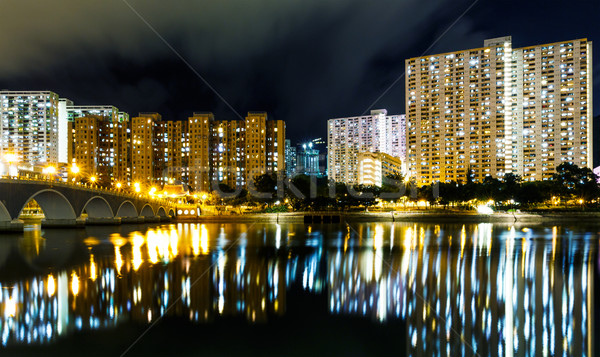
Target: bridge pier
{"points": [[103, 220], [132, 220], [151, 219], [61, 223], [16, 225]]}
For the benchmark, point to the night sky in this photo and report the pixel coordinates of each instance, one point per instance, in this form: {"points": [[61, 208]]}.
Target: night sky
{"points": [[301, 61]]}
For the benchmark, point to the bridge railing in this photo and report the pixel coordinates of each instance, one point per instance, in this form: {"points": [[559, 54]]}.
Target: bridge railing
{"points": [[88, 187]]}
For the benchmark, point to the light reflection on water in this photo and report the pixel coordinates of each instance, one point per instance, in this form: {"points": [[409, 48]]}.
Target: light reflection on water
{"points": [[499, 289]]}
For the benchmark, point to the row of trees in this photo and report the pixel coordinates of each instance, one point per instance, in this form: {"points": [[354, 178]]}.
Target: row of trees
{"points": [[568, 183]]}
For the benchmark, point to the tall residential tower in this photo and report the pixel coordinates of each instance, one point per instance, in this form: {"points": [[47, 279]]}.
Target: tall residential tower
{"points": [[349, 137], [29, 126], [494, 110]]}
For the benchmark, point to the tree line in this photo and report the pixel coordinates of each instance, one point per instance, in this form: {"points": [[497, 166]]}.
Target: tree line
{"points": [[569, 183]]}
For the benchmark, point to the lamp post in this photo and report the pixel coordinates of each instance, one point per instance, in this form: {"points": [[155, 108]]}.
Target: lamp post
{"points": [[49, 170], [10, 159], [74, 171]]}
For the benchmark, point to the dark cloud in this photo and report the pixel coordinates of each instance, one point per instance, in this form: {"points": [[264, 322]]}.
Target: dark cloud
{"points": [[302, 61]]}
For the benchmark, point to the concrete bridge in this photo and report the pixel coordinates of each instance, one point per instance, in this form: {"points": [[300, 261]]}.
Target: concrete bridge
{"points": [[66, 204]]}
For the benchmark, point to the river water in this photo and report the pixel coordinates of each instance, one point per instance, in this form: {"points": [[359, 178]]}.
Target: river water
{"points": [[293, 289]]}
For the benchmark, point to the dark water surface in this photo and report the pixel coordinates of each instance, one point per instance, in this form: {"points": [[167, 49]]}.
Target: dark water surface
{"points": [[295, 289]]}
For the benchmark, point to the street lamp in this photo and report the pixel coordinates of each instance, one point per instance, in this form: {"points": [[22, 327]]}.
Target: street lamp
{"points": [[74, 171], [11, 158], [93, 179], [49, 170], [136, 186], [118, 185]]}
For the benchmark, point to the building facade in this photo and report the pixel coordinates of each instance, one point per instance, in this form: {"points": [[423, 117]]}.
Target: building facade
{"points": [[143, 148], [348, 137], [101, 149], [373, 168], [227, 148], [290, 158], [199, 160], [493, 110], [232, 152], [68, 113], [274, 146], [29, 126], [176, 151]]}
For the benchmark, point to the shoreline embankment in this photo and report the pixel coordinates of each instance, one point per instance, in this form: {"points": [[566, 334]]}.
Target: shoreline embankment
{"points": [[404, 216]]}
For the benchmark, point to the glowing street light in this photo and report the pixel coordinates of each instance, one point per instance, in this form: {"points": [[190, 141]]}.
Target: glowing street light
{"points": [[136, 186], [93, 179], [74, 169], [49, 170], [152, 191], [10, 158], [119, 185]]}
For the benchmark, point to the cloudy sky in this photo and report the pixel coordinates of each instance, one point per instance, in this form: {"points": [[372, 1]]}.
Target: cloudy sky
{"points": [[302, 61]]}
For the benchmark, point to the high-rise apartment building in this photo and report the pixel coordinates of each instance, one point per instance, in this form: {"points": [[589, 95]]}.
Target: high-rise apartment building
{"points": [[495, 109], [176, 149], [143, 148], [78, 111], [68, 113], [290, 158], [227, 148], [256, 160], [234, 151], [348, 137], [101, 148], [275, 146], [552, 109], [120, 150], [199, 155], [29, 126], [64, 131]]}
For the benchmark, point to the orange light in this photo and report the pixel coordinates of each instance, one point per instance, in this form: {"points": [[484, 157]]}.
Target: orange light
{"points": [[74, 169]]}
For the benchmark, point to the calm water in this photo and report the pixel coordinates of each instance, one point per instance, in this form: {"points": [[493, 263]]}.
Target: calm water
{"points": [[294, 289]]}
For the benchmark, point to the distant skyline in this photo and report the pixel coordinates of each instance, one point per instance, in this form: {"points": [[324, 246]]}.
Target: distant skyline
{"points": [[303, 62]]}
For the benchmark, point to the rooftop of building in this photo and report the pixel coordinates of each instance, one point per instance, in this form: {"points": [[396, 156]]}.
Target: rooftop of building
{"points": [[494, 42]]}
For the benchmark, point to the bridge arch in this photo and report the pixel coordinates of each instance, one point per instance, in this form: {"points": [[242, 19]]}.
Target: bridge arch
{"points": [[98, 207], [53, 203], [172, 212], [147, 211], [161, 212], [4, 214], [127, 209]]}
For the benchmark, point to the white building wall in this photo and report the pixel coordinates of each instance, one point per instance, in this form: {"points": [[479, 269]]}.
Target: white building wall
{"points": [[348, 137]]}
